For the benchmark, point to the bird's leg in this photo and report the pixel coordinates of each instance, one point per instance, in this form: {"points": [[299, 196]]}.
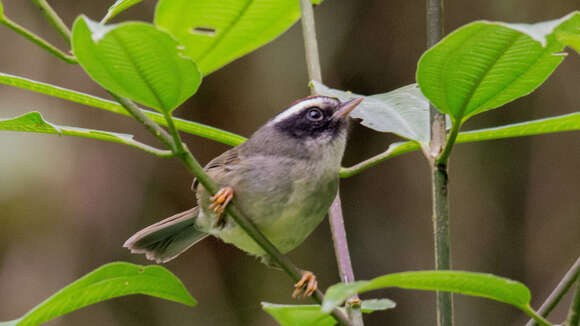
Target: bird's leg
{"points": [[306, 286], [219, 202]]}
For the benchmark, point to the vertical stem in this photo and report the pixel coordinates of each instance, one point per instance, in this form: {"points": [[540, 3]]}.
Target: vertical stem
{"points": [[439, 176], [343, 257], [310, 42], [574, 313], [441, 232], [335, 216]]}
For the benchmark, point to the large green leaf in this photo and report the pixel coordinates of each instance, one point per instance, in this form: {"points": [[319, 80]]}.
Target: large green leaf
{"points": [[403, 111], [136, 60], [34, 122], [216, 32], [311, 315], [107, 282], [484, 65], [118, 7], [475, 284]]}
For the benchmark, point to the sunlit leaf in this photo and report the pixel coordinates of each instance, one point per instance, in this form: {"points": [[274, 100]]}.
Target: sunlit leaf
{"points": [[136, 60], [118, 7], [484, 65], [403, 111], [35, 123], [216, 32], [474, 284], [107, 282]]}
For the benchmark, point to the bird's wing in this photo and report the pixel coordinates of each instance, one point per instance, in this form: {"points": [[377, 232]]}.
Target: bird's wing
{"points": [[223, 162]]}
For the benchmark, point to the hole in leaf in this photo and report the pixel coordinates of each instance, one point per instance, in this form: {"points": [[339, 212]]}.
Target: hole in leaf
{"points": [[201, 30]]}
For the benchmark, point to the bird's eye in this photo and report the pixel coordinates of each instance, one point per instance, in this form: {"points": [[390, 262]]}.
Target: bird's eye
{"points": [[314, 114]]}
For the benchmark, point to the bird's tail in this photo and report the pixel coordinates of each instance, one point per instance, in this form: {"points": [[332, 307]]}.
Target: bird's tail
{"points": [[166, 239]]}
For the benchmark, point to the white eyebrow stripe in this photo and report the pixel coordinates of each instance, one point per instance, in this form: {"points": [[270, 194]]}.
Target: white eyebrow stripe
{"points": [[317, 101]]}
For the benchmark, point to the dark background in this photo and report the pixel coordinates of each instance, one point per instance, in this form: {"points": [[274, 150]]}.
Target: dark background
{"points": [[67, 204]]}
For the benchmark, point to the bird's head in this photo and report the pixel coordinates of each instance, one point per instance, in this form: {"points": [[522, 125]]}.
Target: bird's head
{"points": [[310, 127]]}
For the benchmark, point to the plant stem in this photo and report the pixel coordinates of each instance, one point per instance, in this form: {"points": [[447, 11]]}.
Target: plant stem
{"points": [[54, 20], [554, 298], [191, 127], [353, 305], [310, 42], [574, 312], [193, 166], [335, 215], [394, 150], [78, 132], [38, 40], [536, 317], [439, 175], [149, 124]]}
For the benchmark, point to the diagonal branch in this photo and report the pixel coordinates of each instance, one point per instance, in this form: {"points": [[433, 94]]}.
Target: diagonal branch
{"points": [[554, 298], [193, 166]]}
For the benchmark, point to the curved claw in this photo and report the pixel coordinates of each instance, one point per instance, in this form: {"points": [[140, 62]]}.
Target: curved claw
{"points": [[219, 202], [306, 286]]}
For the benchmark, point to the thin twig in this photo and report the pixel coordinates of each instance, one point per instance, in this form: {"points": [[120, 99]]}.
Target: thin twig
{"points": [[439, 175], [149, 124], [54, 19], [554, 298], [353, 304], [38, 40], [335, 215]]}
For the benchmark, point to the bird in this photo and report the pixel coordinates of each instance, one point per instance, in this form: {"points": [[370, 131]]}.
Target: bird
{"points": [[284, 178]]}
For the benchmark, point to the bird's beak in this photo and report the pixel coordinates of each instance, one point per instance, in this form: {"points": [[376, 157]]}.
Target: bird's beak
{"points": [[346, 107]]}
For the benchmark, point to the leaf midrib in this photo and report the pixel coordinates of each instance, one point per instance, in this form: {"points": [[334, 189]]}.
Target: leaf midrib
{"points": [[460, 113], [221, 36]]}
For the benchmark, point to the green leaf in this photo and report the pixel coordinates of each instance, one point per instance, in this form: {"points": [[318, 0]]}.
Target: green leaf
{"points": [[403, 111], [1, 11], [136, 60], [34, 122], [107, 282], [191, 127], [298, 315], [484, 65], [474, 284], [311, 315], [29, 122], [118, 7], [216, 32]]}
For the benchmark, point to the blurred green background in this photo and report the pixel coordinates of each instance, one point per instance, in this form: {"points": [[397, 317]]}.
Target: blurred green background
{"points": [[67, 205]]}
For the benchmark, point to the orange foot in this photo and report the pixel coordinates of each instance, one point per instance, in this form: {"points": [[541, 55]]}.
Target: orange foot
{"points": [[219, 202], [306, 286]]}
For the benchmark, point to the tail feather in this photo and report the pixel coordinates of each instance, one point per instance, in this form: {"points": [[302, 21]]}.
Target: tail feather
{"points": [[168, 238]]}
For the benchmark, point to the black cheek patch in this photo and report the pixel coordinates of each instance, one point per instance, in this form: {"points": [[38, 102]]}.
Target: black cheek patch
{"points": [[301, 127]]}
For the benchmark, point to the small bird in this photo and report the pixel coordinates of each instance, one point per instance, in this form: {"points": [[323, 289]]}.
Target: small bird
{"points": [[284, 178]]}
